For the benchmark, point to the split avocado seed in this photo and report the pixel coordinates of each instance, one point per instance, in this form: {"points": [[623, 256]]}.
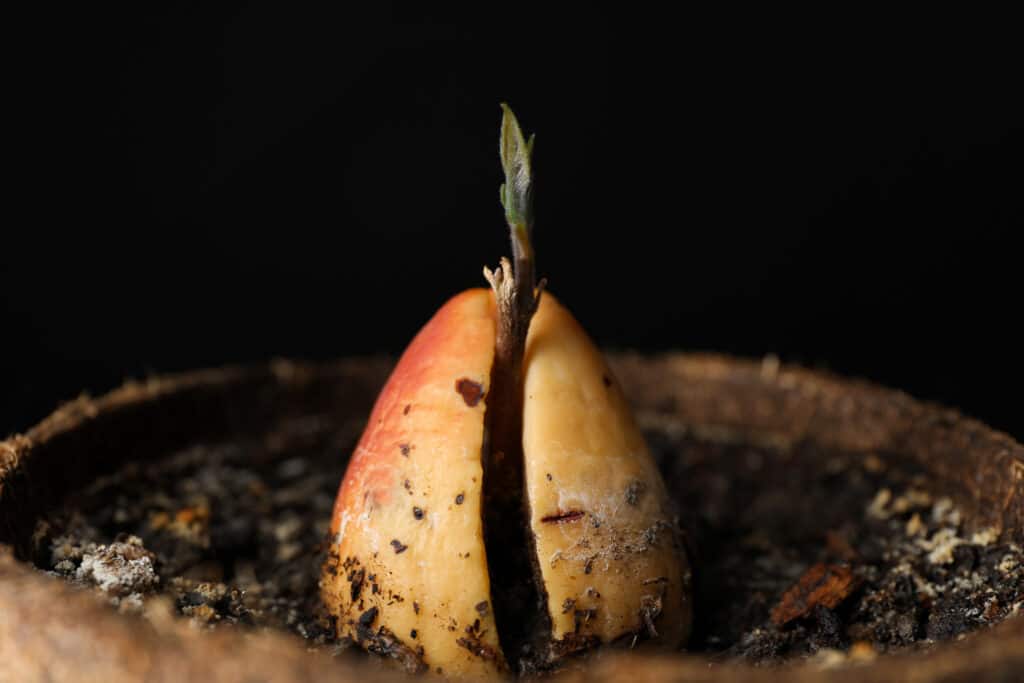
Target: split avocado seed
{"points": [[501, 510]]}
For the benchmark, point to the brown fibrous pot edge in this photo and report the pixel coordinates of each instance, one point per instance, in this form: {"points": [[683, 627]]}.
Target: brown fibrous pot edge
{"points": [[48, 629]]}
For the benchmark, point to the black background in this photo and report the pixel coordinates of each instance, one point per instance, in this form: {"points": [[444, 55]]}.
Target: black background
{"points": [[228, 183]]}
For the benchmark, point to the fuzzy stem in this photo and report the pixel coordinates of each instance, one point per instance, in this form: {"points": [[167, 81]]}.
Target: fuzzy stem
{"points": [[517, 297], [517, 594]]}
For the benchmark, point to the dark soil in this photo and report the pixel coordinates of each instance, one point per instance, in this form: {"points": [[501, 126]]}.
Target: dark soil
{"points": [[228, 534], [232, 535], [901, 570]]}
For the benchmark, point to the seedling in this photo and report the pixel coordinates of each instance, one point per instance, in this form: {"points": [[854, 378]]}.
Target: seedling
{"points": [[501, 510]]}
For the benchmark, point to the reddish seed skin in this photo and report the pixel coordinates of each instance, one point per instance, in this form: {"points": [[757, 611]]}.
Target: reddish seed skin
{"points": [[422, 450], [373, 460]]}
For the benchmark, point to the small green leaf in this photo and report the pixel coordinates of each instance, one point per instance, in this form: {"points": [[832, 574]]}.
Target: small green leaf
{"points": [[516, 152]]}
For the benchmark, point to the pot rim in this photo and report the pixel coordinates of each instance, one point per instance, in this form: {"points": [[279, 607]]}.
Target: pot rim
{"points": [[853, 414]]}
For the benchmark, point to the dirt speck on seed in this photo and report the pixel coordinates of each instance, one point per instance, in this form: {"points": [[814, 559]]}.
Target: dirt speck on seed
{"points": [[470, 390], [634, 491]]}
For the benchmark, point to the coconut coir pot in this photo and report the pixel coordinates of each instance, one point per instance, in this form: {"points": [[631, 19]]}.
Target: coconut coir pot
{"points": [[52, 631]]}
